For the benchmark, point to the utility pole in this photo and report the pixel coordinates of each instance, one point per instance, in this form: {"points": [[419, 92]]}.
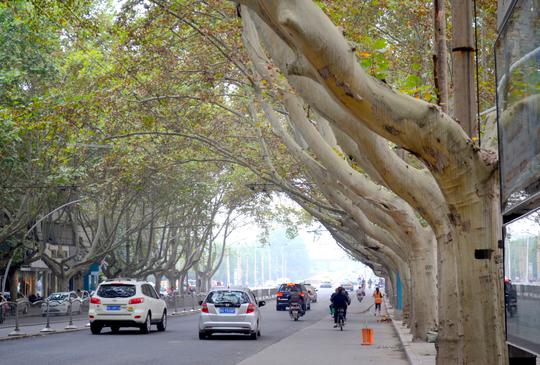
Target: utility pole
{"points": [[255, 265], [440, 56], [228, 267], [463, 66]]}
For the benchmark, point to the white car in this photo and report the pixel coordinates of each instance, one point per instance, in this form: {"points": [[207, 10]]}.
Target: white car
{"points": [[59, 303], [230, 310], [126, 303]]}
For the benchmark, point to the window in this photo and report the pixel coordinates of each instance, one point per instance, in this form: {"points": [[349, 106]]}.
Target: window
{"points": [[231, 297], [522, 287], [116, 291]]}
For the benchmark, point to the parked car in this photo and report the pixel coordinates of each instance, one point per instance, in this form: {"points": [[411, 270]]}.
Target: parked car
{"points": [[230, 310], [282, 296], [126, 303], [312, 292], [85, 295], [59, 303], [326, 284], [23, 304], [348, 286]]}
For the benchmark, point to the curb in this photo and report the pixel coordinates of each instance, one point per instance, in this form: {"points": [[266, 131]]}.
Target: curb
{"points": [[411, 356]]}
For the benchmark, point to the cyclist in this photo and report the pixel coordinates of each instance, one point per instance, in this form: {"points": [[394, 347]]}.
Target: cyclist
{"points": [[339, 300]]}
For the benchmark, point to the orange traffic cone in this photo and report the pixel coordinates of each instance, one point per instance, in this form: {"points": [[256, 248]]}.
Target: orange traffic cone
{"points": [[368, 336]]}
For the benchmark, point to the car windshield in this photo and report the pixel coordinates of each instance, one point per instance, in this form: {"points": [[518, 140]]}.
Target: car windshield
{"points": [[228, 296], [58, 296], [288, 287], [116, 291]]}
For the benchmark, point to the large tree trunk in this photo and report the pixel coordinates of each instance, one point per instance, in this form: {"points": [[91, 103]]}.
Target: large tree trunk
{"points": [[424, 290], [475, 211]]}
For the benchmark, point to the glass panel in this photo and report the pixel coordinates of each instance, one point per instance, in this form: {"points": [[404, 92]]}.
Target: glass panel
{"points": [[116, 291], [518, 100], [522, 282]]}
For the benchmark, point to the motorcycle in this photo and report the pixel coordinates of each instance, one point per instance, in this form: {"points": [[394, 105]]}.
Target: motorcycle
{"points": [[360, 296], [295, 311]]}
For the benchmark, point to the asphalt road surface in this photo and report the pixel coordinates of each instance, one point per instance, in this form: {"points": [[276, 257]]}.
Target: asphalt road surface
{"points": [[524, 326], [178, 345]]}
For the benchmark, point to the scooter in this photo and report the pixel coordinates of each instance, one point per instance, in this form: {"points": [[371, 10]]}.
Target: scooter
{"points": [[295, 311]]}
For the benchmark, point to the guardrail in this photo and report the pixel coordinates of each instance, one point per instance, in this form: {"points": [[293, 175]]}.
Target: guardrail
{"points": [[178, 303], [23, 311]]}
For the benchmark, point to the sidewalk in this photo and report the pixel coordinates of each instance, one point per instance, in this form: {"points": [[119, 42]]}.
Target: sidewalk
{"points": [[320, 344], [419, 352]]}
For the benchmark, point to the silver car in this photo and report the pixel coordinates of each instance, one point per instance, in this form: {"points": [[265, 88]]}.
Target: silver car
{"points": [[230, 310]]}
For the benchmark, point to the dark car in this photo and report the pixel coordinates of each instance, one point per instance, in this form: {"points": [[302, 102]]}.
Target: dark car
{"points": [[282, 296]]}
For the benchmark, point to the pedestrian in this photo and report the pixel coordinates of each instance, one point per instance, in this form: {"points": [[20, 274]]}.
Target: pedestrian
{"points": [[378, 300]]}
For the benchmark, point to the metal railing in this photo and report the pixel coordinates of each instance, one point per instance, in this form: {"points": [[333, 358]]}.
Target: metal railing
{"points": [[29, 312], [178, 303]]}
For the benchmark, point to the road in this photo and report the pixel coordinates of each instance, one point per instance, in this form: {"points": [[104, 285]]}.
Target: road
{"points": [[178, 345], [524, 326]]}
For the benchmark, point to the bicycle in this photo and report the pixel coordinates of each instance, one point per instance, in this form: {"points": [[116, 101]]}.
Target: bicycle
{"points": [[341, 318]]}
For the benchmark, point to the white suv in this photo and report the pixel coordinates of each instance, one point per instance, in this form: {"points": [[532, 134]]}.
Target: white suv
{"points": [[126, 303]]}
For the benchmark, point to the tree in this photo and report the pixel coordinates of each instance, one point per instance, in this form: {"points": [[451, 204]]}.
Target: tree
{"points": [[313, 48]]}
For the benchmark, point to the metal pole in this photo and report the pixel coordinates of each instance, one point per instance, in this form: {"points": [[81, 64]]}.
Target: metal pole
{"points": [[192, 300], [48, 325], [17, 331], [70, 326], [175, 302]]}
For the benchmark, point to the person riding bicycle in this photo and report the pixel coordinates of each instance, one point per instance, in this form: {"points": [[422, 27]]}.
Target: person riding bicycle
{"points": [[295, 297], [339, 300]]}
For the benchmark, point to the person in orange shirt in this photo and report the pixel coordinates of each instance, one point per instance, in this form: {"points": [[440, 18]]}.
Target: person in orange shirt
{"points": [[378, 300]]}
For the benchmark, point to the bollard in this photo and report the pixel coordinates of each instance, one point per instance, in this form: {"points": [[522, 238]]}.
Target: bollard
{"points": [[17, 331], [193, 301], [47, 327], [70, 326], [175, 303]]}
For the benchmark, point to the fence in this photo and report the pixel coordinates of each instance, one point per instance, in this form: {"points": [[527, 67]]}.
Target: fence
{"points": [[189, 302], [22, 313]]}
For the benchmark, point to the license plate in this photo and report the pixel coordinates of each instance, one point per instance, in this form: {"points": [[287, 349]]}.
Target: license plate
{"points": [[227, 310], [113, 307]]}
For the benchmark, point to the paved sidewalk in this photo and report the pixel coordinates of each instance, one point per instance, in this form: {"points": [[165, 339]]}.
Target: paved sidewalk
{"points": [[417, 352], [320, 344]]}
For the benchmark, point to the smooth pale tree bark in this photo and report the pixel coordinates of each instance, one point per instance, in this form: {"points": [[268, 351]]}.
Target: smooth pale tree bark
{"points": [[465, 174]]}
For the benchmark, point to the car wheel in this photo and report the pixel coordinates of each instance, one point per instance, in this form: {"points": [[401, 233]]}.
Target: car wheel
{"points": [[145, 328], [203, 336], [162, 326], [95, 328], [253, 335], [115, 329]]}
